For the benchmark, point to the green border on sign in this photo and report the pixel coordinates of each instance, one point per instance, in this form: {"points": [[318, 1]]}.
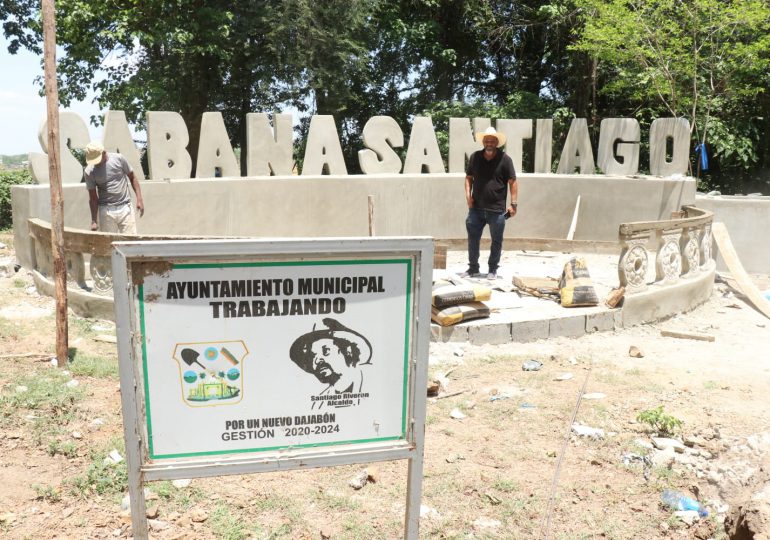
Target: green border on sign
{"points": [[407, 334]]}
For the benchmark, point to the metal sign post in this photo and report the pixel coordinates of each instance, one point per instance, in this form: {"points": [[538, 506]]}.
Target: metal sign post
{"points": [[244, 356]]}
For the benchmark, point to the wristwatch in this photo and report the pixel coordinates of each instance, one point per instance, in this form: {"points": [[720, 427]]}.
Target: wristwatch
{"points": [[515, 205]]}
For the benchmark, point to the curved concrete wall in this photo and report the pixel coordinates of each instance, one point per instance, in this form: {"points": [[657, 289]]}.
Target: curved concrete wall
{"points": [[404, 205], [747, 219]]}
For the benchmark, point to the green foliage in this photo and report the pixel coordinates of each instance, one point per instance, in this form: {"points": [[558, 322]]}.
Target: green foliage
{"points": [[661, 422], [704, 60], [66, 448], [226, 525], [8, 179], [102, 477], [46, 493], [94, 366], [48, 403]]}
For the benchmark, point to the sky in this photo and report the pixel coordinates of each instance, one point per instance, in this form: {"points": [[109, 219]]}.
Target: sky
{"points": [[21, 107]]}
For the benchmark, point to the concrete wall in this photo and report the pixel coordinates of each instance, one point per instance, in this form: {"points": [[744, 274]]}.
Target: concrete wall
{"points": [[322, 206], [748, 221]]}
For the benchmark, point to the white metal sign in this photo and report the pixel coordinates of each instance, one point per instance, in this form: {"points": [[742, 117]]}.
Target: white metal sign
{"points": [[244, 356]]}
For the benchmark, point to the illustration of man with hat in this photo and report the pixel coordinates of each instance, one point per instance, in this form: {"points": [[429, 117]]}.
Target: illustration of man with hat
{"points": [[489, 177], [334, 355], [107, 177]]}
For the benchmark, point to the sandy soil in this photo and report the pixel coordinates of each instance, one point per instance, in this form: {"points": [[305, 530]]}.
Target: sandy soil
{"points": [[509, 469]]}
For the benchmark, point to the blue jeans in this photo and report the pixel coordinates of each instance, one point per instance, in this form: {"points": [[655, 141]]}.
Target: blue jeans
{"points": [[474, 224]]}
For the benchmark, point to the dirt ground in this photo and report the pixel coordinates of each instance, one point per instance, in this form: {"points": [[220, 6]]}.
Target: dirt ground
{"points": [[509, 468]]}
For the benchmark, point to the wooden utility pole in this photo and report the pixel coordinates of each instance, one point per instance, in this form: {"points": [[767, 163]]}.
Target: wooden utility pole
{"points": [[54, 175]]}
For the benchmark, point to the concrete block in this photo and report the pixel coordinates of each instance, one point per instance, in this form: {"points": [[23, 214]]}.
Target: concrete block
{"points": [[600, 322], [494, 334], [574, 326], [444, 334], [617, 315], [525, 331]]}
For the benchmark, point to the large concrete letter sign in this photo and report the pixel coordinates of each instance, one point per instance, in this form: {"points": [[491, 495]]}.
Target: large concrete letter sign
{"points": [[167, 139], [661, 130], [577, 150], [423, 148], [268, 151], [381, 134], [543, 142], [626, 132], [515, 132], [323, 148], [214, 149], [461, 143], [117, 138], [73, 133]]}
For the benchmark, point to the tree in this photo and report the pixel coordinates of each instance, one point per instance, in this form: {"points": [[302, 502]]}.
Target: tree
{"points": [[706, 60]]}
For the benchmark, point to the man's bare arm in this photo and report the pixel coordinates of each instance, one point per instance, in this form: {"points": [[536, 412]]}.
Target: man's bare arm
{"points": [[468, 195], [513, 186], [138, 191], [93, 204]]}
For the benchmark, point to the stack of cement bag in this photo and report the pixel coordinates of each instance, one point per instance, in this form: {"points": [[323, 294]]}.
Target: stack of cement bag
{"points": [[573, 289], [456, 301]]}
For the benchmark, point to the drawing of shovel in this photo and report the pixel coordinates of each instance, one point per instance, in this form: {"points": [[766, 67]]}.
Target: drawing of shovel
{"points": [[190, 357]]}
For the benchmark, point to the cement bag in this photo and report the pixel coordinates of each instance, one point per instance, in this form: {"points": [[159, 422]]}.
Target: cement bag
{"points": [[454, 314], [575, 286], [451, 295]]}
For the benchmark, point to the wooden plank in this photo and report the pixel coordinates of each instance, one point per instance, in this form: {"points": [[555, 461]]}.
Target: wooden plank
{"points": [[573, 225], [687, 335], [730, 257]]}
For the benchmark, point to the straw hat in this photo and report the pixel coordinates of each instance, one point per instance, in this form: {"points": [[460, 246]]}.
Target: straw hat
{"points": [[491, 132]]}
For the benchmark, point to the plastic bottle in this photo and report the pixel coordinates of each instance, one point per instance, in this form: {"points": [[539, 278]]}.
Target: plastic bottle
{"points": [[679, 501]]}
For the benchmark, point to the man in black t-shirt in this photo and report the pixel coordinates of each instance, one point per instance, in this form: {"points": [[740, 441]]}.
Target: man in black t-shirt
{"points": [[489, 177]]}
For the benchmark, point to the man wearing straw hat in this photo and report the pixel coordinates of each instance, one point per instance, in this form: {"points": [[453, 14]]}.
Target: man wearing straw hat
{"points": [[489, 177], [107, 177]]}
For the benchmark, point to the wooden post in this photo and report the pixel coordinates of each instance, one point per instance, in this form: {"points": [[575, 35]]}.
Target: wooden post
{"points": [[54, 174], [371, 215]]}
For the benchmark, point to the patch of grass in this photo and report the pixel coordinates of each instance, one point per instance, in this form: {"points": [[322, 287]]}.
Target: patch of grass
{"points": [[46, 493], [710, 385], [47, 397], [19, 283], [505, 485], [355, 530], [337, 502], [177, 499], [664, 474], [226, 525], [85, 365], [101, 478], [81, 326], [67, 448]]}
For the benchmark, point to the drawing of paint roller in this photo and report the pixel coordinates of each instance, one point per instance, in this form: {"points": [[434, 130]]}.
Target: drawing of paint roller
{"points": [[229, 356]]}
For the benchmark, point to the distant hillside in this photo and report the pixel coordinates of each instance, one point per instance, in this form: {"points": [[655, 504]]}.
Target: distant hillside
{"points": [[18, 161]]}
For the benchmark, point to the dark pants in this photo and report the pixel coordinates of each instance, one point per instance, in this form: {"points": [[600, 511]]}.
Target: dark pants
{"points": [[474, 224]]}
